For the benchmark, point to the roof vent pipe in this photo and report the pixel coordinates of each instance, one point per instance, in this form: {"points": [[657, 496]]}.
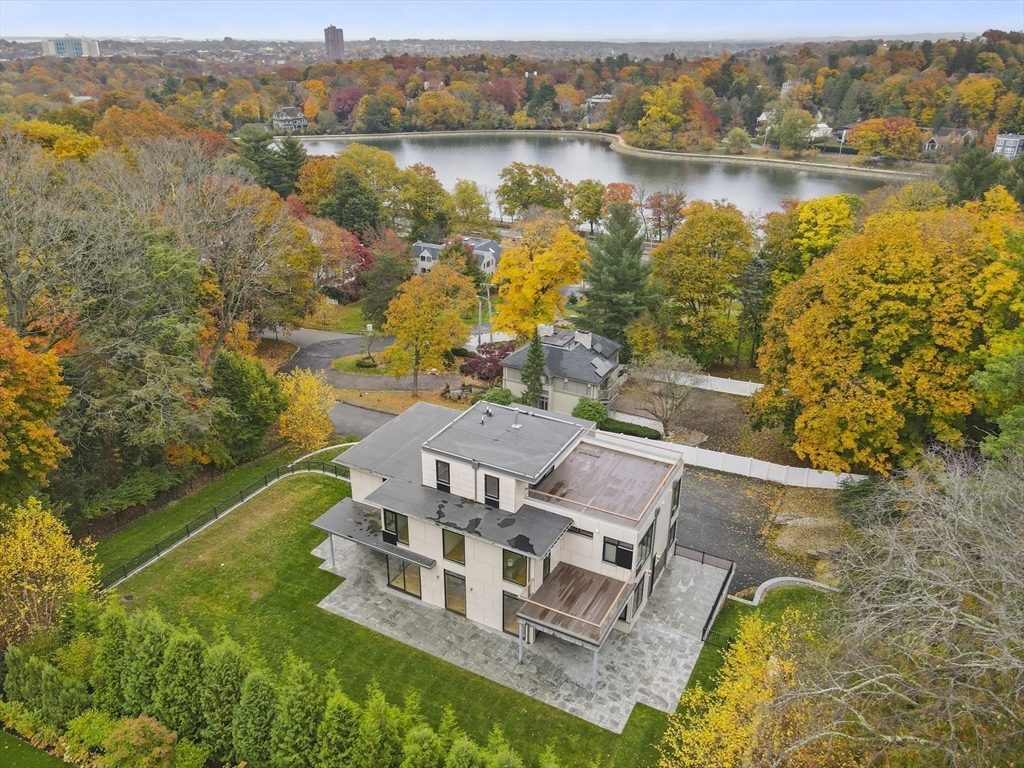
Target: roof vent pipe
{"points": [[517, 425]]}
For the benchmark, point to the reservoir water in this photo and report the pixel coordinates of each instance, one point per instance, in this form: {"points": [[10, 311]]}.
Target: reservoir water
{"points": [[480, 157]]}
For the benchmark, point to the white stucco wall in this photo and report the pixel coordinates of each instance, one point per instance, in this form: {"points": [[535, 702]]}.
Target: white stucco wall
{"points": [[363, 483]]}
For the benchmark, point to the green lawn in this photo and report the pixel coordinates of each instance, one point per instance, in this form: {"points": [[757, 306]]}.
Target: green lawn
{"points": [[253, 574], [348, 365], [143, 533], [342, 318], [15, 753], [805, 599]]}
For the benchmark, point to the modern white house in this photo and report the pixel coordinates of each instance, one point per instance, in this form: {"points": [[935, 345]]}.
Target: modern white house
{"points": [[518, 519], [576, 364], [1009, 145], [487, 252]]}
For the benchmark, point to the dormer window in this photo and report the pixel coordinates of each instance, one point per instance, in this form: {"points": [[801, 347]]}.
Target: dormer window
{"points": [[444, 476]]}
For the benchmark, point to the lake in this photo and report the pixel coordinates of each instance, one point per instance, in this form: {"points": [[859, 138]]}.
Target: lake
{"points": [[480, 157]]}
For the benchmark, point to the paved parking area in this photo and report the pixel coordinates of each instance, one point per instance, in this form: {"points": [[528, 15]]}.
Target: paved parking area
{"points": [[650, 665]]}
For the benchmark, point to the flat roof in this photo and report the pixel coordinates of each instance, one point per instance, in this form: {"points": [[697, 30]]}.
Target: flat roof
{"points": [[361, 523], [529, 531], [600, 478], [577, 602], [516, 440], [394, 449]]}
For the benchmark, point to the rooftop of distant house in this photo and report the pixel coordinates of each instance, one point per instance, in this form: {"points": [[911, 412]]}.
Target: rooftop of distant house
{"points": [[571, 354]]}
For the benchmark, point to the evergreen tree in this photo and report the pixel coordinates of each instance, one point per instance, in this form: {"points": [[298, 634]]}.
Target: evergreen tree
{"points": [[61, 698], [422, 748], [23, 681], [176, 701], [108, 669], [339, 732], [533, 372], [254, 719], [975, 172], [254, 150], [382, 280], [224, 671], [448, 729], [255, 399], [617, 278], [353, 205], [300, 707], [146, 641], [499, 753], [465, 754], [380, 732], [285, 165]]}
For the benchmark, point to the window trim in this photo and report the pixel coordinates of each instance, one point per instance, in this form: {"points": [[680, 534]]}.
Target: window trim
{"points": [[504, 597], [636, 601], [505, 555], [397, 531], [643, 551], [443, 485], [493, 500], [619, 558], [445, 533], [465, 590]]}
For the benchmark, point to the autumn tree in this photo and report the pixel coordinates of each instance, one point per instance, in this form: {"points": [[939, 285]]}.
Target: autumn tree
{"points": [[316, 181], [31, 395], [532, 272], [382, 280], [700, 266], [139, 742], [425, 205], [666, 210], [867, 356], [588, 202], [41, 569], [426, 319], [794, 130], [470, 210], [460, 254], [819, 226], [617, 288], [525, 185], [662, 384], [306, 422], [894, 138]]}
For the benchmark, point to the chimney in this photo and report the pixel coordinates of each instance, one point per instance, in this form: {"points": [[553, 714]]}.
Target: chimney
{"points": [[584, 338], [545, 330]]}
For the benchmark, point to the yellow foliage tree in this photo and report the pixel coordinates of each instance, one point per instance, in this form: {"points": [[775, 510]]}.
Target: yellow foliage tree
{"points": [[316, 181], [62, 140], [426, 319], [867, 356], [746, 719], [548, 257], [41, 568], [306, 423]]}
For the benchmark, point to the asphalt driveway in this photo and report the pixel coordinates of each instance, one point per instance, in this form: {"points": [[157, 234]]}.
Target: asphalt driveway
{"points": [[728, 515]]}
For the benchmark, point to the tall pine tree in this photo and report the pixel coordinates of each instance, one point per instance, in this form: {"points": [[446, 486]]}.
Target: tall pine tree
{"points": [[224, 671], [339, 732], [254, 719], [147, 639], [299, 711], [176, 701], [533, 372], [108, 669], [380, 732], [617, 278]]}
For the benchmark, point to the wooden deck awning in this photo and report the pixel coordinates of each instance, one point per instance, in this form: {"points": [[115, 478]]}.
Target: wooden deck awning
{"points": [[577, 605]]}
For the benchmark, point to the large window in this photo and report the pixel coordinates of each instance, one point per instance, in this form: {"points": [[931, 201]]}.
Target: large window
{"points": [[513, 567], [675, 494], [403, 576], [618, 553], [491, 490], [396, 528], [638, 595], [644, 549], [454, 546], [455, 593], [444, 476], [510, 606]]}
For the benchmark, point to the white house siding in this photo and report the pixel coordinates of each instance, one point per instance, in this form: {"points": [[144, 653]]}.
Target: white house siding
{"points": [[363, 483]]}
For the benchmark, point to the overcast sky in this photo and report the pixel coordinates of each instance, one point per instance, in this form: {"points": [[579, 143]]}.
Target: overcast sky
{"points": [[505, 19]]}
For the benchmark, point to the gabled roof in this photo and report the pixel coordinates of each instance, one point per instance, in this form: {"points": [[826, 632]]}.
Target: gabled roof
{"points": [[482, 247], [567, 358], [394, 449]]}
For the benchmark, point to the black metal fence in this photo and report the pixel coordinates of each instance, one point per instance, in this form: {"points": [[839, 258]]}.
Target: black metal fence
{"points": [[718, 639], [122, 571], [704, 558]]}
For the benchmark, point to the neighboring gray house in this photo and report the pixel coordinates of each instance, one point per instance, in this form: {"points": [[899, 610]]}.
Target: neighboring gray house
{"points": [[487, 252], [1009, 145], [949, 139], [288, 119], [576, 364], [520, 520]]}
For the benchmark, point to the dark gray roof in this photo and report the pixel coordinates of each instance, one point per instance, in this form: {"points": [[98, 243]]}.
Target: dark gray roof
{"points": [[566, 358], [516, 440], [420, 247], [481, 247], [361, 523], [394, 449], [529, 531]]}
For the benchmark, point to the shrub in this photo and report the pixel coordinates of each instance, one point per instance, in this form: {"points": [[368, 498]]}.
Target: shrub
{"points": [[463, 352], [366, 362], [625, 428], [139, 742], [140, 488], [85, 735], [486, 365], [497, 395], [591, 410]]}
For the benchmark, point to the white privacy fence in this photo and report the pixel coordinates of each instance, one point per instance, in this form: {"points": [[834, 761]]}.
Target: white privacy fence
{"points": [[728, 386], [799, 477]]}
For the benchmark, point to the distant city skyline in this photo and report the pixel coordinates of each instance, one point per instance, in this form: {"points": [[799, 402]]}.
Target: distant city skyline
{"points": [[611, 20]]}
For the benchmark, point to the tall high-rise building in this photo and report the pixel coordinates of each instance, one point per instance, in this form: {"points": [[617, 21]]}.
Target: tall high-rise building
{"points": [[334, 38], [70, 46]]}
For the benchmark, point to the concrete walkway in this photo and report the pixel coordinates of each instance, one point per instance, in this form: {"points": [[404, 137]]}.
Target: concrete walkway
{"points": [[650, 665]]}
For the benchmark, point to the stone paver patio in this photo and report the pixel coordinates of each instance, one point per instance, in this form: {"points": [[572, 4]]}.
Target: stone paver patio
{"points": [[650, 665]]}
